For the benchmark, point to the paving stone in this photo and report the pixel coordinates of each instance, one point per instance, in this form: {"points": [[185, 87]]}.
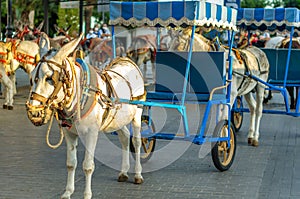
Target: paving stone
{"points": [[29, 169]]}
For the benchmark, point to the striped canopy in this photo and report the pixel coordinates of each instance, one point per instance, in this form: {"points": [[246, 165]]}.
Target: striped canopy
{"points": [[172, 13], [271, 19]]}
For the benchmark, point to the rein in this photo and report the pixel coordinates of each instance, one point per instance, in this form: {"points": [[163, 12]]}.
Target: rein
{"points": [[60, 131], [59, 79]]}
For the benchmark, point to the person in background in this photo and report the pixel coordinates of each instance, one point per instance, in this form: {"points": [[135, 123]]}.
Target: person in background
{"points": [[104, 32], [91, 34], [266, 36], [96, 30]]}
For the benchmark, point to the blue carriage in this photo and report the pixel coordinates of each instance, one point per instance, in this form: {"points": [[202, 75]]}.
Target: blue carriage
{"points": [[186, 77], [284, 65]]}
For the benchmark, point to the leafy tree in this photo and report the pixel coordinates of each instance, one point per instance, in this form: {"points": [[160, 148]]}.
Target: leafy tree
{"points": [[22, 12], [291, 3], [88, 11], [68, 17], [255, 3], [277, 3]]}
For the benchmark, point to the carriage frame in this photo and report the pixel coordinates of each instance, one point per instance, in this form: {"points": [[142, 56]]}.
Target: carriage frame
{"points": [[283, 67], [185, 14]]}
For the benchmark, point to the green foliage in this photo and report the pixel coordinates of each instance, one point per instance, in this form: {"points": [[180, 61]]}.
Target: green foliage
{"points": [[254, 3], [277, 3], [68, 17], [291, 3], [99, 17]]}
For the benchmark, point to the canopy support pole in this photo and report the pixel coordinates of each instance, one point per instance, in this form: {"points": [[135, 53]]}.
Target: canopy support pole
{"points": [[288, 57], [113, 41]]}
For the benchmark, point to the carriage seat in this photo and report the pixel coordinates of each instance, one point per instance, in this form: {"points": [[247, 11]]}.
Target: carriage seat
{"points": [[207, 71], [277, 59]]}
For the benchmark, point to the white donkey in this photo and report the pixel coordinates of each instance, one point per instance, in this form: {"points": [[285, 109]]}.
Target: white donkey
{"points": [[249, 60], [15, 54], [141, 50], [88, 108]]}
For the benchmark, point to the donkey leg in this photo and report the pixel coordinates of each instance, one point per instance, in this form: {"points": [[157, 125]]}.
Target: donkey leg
{"points": [[145, 71], [72, 141], [124, 140], [12, 77], [252, 107], [258, 113], [153, 72], [88, 163], [8, 92], [137, 143], [290, 90], [297, 93]]}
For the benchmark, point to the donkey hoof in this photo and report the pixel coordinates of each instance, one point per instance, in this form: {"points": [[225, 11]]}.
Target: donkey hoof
{"points": [[254, 143], [249, 141], [4, 106], [123, 178], [10, 108], [138, 180]]}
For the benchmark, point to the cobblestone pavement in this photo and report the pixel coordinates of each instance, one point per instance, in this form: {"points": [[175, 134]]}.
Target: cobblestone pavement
{"points": [[29, 169]]}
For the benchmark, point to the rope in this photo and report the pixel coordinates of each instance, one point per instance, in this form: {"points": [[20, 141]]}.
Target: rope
{"points": [[48, 133]]}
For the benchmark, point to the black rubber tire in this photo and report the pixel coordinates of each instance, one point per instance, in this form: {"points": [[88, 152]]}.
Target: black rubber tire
{"points": [[223, 156], [148, 144], [237, 117]]}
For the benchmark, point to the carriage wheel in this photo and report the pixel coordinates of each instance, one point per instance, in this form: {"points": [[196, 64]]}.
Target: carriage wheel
{"points": [[148, 144], [222, 155], [237, 116]]}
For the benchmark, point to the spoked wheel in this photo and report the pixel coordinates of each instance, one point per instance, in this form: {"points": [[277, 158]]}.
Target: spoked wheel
{"points": [[237, 116], [148, 144], [222, 154]]}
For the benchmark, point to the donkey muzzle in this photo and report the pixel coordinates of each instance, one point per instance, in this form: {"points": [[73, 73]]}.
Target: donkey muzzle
{"points": [[38, 115]]}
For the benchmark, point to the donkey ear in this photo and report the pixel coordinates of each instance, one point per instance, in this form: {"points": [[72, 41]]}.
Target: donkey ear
{"points": [[67, 49], [68, 28], [40, 26], [56, 28], [44, 44], [8, 46]]}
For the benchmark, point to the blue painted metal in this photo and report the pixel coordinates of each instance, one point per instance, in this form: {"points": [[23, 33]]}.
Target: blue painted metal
{"points": [[277, 19], [289, 57], [113, 41], [192, 13]]}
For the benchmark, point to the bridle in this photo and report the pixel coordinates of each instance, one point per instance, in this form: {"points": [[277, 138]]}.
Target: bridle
{"points": [[48, 108], [61, 80]]}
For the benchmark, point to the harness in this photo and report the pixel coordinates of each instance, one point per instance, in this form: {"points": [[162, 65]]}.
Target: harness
{"points": [[88, 94], [242, 57], [12, 53]]}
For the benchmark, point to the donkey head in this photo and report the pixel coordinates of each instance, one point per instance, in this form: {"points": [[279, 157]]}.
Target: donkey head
{"points": [[48, 81]]}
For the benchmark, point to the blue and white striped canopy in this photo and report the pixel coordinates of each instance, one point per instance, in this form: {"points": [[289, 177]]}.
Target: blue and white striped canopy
{"points": [[271, 19], [172, 13]]}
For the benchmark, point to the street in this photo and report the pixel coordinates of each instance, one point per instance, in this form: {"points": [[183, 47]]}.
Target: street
{"points": [[30, 169]]}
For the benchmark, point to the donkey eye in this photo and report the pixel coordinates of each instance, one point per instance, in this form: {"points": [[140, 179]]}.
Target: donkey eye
{"points": [[36, 80]]}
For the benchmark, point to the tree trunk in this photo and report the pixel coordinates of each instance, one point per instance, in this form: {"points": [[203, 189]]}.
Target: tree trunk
{"points": [[88, 12]]}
